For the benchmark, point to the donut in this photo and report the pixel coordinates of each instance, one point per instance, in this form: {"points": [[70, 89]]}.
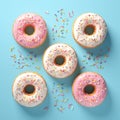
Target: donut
{"points": [[60, 60], [89, 89], [29, 89], [89, 30], [30, 30]]}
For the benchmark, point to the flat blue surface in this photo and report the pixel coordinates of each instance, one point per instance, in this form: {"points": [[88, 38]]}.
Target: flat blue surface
{"points": [[59, 104]]}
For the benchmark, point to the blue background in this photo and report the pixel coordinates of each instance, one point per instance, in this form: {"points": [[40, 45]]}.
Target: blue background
{"points": [[9, 109]]}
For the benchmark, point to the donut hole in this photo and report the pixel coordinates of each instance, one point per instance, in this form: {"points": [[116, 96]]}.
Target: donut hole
{"points": [[89, 29], [59, 60], [29, 89], [29, 30], [89, 89]]}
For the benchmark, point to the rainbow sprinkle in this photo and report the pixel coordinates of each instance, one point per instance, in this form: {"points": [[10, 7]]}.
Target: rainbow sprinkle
{"points": [[21, 61], [61, 26], [95, 60], [61, 100]]}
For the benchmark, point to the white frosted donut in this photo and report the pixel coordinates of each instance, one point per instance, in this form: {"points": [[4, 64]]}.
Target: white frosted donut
{"points": [[29, 89], [89, 30], [60, 60]]}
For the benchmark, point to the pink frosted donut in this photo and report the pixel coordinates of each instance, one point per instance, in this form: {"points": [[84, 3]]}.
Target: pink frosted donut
{"points": [[89, 89], [30, 30]]}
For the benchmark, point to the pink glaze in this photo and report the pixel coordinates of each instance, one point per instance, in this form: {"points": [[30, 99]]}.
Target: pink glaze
{"points": [[89, 78], [40, 30]]}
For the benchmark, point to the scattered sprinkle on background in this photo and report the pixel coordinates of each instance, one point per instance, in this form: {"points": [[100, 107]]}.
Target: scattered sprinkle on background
{"points": [[60, 31]]}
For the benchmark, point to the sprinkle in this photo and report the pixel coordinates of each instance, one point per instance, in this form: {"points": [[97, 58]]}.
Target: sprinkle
{"points": [[60, 94], [56, 102], [72, 12], [61, 91], [69, 15], [46, 12], [37, 67], [11, 49], [82, 67], [58, 85], [61, 100], [96, 60], [22, 61], [65, 100], [61, 108], [60, 28], [13, 56], [70, 106], [46, 108]]}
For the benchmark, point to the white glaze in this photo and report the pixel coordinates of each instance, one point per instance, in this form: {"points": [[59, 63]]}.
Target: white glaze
{"points": [[94, 40], [40, 89], [64, 70]]}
